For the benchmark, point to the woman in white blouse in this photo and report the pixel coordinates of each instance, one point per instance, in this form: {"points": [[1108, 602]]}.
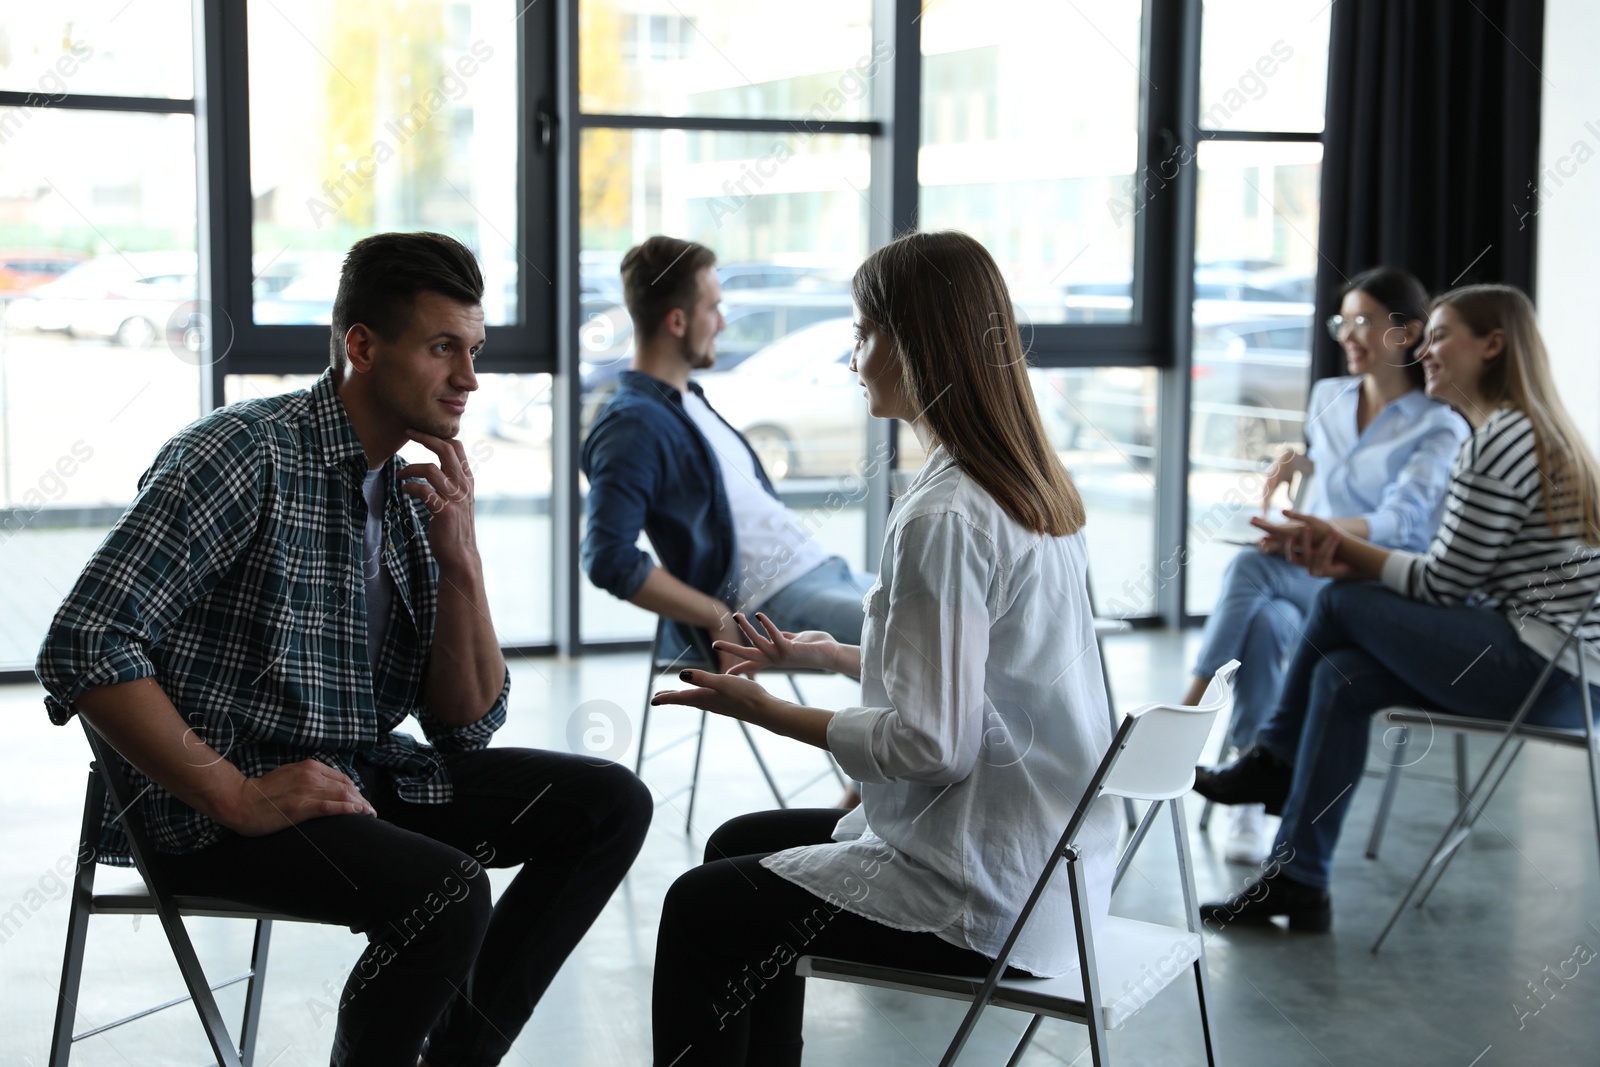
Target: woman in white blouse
{"points": [[983, 710]]}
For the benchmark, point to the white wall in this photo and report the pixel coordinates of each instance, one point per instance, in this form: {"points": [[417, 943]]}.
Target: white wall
{"points": [[1569, 207]]}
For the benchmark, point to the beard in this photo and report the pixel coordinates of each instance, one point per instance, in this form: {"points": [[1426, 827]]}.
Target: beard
{"points": [[701, 357], [418, 413]]}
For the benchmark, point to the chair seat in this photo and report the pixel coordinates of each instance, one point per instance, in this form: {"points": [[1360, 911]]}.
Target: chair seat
{"points": [[134, 899], [1137, 960], [1573, 738]]}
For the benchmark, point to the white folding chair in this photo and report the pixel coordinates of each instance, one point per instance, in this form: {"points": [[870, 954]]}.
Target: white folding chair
{"points": [[1123, 962], [152, 898], [1505, 753], [701, 656]]}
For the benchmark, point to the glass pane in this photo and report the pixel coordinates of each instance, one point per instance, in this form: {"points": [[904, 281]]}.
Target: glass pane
{"points": [[97, 283], [1255, 266], [358, 129], [785, 253], [1056, 210], [1264, 66], [728, 58], [98, 47], [1103, 426], [506, 432]]}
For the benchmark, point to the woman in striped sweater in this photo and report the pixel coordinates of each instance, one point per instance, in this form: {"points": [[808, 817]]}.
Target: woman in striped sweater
{"points": [[1512, 567]]}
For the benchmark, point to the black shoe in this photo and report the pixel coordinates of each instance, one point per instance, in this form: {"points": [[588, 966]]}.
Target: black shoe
{"points": [[1308, 908], [1257, 777]]}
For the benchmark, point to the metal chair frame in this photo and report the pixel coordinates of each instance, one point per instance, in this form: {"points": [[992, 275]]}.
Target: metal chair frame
{"points": [[1043, 997], [153, 898], [700, 656], [1483, 788]]}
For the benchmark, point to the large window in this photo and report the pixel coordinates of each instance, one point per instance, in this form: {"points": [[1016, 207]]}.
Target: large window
{"points": [[1061, 215], [1262, 83], [98, 283], [367, 117], [174, 265], [787, 209], [1030, 141]]}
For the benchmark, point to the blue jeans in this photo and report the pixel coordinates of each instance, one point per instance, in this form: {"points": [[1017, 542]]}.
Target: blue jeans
{"points": [[826, 598], [1256, 621], [1367, 648]]}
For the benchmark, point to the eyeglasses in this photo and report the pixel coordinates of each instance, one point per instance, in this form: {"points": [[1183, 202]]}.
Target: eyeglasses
{"points": [[1339, 327]]}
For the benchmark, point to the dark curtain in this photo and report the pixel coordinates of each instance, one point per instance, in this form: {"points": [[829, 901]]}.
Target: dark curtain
{"points": [[1432, 140]]}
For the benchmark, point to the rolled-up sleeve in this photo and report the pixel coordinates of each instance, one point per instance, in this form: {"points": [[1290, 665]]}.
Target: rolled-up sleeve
{"points": [[624, 474], [1408, 510], [195, 512], [473, 735], [935, 645]]}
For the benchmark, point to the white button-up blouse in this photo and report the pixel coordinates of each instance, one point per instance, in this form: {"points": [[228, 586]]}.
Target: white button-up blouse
{"points": [[985, 716]]}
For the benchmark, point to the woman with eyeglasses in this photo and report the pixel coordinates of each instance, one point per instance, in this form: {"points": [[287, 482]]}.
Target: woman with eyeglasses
{"points": [[1466, 627], [1378, 455]]}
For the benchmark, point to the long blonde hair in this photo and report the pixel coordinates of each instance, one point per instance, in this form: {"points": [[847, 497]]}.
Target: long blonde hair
{"points": [[940, 300], [1520, 378]]}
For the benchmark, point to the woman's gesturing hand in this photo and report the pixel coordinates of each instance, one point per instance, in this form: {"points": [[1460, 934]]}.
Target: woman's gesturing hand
{"points": [[721, 693], [1279, 537], [1281, 471], [776, 648], [1317, 548]]}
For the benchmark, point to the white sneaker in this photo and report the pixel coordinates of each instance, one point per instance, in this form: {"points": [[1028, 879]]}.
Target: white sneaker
{"points": [[1248, 839]]}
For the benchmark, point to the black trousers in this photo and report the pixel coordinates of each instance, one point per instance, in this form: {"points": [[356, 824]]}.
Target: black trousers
{"points": [[725, 992], [443, 962]]}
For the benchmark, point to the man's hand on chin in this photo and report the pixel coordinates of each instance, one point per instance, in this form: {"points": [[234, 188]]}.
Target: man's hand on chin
{"points": [[446, 489]]}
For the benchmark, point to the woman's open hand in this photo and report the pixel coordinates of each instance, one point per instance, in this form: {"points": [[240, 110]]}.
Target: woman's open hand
{"points": [[724, 694], [776, 648], [1280, 473]]}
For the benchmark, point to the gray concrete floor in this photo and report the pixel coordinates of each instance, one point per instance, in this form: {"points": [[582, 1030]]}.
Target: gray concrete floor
{"points": [[1521, 904]]}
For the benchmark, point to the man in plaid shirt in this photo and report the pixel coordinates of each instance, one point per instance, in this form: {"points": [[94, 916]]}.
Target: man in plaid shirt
{"points": [[282, 593]]}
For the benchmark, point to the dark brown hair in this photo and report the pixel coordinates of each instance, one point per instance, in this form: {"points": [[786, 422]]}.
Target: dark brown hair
{"points": [[939, 299], [659, 275], [382, 276], [1519, 377], [1406, 300]]}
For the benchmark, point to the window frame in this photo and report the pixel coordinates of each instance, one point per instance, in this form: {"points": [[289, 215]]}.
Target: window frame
{"points": [[545, 339], [525, 347]]}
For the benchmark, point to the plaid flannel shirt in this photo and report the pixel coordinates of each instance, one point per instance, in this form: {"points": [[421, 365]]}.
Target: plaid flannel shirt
{"points": [[234, 579]]}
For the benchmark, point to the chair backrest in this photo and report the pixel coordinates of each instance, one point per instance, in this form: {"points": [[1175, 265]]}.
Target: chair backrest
{"points": [[1163, 742]]}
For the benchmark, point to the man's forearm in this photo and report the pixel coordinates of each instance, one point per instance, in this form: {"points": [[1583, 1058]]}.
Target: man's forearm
{"points": [[139, 720], [663, 594], [466, 670]]}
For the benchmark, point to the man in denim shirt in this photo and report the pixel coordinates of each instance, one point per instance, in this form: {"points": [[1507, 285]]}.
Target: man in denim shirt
{"points": [[659, 459], [281, 595]]}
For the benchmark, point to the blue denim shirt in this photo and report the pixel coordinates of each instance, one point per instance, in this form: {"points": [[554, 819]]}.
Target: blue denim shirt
{"points": [[650, 468]]}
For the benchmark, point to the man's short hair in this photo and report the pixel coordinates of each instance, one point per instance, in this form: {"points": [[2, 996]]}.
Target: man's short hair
{"points": [[659, 275], [382, 276]]}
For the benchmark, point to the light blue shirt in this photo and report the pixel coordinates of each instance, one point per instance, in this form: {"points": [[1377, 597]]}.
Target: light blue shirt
{"points": [[1394, 473]]}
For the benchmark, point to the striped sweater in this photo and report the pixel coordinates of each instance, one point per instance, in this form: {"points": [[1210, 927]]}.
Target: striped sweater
{"points": [[1495, 546]]}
